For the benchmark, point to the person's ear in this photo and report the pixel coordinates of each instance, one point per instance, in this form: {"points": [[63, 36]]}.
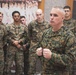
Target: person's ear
{"points": [[63, 18]]}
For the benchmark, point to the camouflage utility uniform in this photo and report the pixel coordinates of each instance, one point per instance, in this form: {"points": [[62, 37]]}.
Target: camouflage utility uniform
{"points": [[63, 47], [71, 24], [35, 31], [2, 43], [18, 33]]}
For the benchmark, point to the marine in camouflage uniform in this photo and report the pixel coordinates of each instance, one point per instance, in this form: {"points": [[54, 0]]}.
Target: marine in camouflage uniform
{"points": [[2, 43], [35, 32], [61, 44], [16, 33], [68, 21], [70, 24], [26, 53]]}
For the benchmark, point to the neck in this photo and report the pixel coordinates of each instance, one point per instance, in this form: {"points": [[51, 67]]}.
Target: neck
{"points": [[17, 23], [40, 21], [67, 18], [54, 29]]}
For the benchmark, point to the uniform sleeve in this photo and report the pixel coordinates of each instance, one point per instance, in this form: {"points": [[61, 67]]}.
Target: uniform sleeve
{"points": [[9, 39], [74, 31], [24, 38], [5, 35], [30, 31], [67, 58]]}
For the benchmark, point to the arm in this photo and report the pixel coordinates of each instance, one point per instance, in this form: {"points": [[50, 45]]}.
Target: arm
{"points": [[68, 57], [55, 58], [30, 31]]}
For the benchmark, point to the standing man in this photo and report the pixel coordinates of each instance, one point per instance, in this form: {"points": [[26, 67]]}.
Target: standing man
{"points": [[57, 49], [2, 43], [26, 53], [37, 27], [35, 32], [70, 23], [17, 36], [23, 20]]}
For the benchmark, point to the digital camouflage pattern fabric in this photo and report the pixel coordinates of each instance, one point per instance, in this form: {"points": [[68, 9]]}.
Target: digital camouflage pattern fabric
{"points": [[19, 33], [35, 31], [71, 24], [3, 34], [63, 46]]}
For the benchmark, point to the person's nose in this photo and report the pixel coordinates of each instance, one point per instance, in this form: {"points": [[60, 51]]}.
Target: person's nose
{"points": [[51, 17]]}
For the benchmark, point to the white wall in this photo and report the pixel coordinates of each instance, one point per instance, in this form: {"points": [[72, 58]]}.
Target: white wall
{"points": [[49, 4]]}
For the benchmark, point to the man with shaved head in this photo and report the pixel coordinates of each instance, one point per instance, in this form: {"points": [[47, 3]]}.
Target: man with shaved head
{"points": [[37, 27], [57, 49], [35, 31]]}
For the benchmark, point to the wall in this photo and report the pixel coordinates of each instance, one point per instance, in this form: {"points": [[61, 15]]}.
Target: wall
{"points": [[49, 4]]}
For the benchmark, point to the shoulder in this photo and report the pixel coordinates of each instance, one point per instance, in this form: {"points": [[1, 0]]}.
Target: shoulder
{"points": [[3, 26], [47, 24], [32, 22], [22, 26], [73, 20], [47, 31], [9, 26], [67, 32]]}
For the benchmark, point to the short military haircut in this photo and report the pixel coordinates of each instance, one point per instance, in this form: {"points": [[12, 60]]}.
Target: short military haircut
{"points": [[22, 17], [15, 12], [1, 13], [65, 7], [61, 9]]}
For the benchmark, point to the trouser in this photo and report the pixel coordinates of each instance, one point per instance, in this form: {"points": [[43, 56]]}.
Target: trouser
{"points": [[74, 68], [15, 55], [26, 63], [1, 62]]}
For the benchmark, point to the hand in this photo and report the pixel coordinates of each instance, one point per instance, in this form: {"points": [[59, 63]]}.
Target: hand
{"points": [[18, 46], [15, 43], [47, 53], [24, 46], [39, 51]]}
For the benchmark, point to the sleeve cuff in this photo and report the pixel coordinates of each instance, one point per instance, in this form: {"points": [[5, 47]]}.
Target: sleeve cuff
{"points": [[52, 60]]}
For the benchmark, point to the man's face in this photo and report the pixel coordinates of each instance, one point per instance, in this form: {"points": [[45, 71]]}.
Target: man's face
{"points": [[23, 20], [1, 17], [39, 16], [56, 17], [67, 12], [16, 17]]}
